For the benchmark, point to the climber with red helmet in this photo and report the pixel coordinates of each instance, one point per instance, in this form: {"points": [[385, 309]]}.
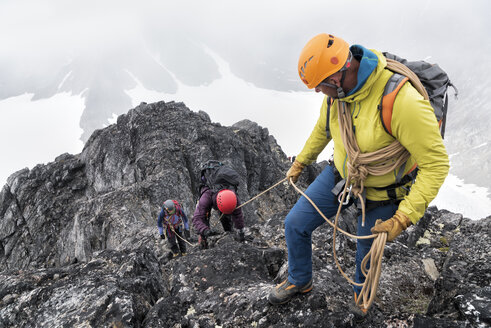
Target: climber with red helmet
{"points": [[221, 197], [353, 79]]}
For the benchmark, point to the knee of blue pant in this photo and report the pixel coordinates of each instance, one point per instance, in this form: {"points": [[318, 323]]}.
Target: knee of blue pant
{"points": [[362, 248], [294, 222]]}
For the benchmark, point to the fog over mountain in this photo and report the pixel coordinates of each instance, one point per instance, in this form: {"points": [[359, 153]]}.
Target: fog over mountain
{"points": [[100, 50]]}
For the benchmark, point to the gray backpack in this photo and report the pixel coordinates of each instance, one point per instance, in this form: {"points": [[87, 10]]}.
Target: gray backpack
{"points": [[434, 80], [218, 176]]}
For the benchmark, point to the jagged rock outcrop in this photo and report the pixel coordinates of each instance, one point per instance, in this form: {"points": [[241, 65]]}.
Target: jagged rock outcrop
{"points": [[62, 212], [79, 246]]}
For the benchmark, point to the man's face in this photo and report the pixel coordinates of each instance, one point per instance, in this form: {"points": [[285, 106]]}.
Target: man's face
{"points": [[334, 79], [328, 91]]}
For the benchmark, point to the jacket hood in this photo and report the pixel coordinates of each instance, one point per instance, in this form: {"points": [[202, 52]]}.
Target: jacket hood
{"points": [[366, 88]]}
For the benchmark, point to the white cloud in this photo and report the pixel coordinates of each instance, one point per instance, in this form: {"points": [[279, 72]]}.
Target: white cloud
{"points": [[231, 99], [36, 132]]}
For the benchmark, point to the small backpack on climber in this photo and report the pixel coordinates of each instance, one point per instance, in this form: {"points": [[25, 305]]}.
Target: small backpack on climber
{"points": [[223, 181], [218, 176]]}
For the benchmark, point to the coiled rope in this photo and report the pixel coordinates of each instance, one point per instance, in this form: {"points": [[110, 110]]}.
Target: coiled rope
{"points": [[360, 165], [379, 162], [375, 255]]}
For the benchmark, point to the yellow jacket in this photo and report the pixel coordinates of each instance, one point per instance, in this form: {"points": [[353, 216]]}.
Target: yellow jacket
{"points": [[413, 124]]}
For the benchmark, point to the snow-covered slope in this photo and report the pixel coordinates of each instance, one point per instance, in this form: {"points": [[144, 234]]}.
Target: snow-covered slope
{"points": [[470, 200], [35, 132]]}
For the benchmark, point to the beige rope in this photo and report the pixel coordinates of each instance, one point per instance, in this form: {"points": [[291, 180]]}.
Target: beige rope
{"points": [[360, 165], [262, 193], [175, 233], [372, 275], [400, 68]]}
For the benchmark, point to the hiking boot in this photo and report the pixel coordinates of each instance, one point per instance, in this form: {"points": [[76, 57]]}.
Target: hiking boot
{"points": [[171, 255], [359, 312], [283, 292]]}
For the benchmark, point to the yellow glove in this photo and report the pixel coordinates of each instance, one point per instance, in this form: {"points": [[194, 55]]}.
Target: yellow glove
{"points": [[393, 226], [295, 170]]}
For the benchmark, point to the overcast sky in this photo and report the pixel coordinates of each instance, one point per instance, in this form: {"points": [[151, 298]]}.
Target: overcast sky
{"points": [[81, 61]]}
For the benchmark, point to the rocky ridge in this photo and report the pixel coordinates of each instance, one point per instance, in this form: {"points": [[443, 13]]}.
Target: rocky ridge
{"points": [[79, 246]]}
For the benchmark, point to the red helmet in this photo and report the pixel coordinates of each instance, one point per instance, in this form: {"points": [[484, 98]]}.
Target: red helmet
{"points": [[226, 201]]}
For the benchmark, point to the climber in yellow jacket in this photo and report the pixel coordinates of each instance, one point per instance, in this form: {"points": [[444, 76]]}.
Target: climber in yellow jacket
{"points": [[356, 77]]}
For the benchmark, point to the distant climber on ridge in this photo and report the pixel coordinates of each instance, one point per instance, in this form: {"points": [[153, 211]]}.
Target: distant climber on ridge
{"points": [[218, 190], [176, 224]]}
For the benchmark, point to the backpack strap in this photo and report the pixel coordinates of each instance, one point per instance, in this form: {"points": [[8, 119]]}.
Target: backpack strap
{"points": [[329, 102], [386, 106], [178, 207], [443, 121]]}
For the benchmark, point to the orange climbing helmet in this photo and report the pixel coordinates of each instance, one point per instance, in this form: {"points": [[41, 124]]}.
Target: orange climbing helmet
{"points": [[226, 201], [321, 57]]}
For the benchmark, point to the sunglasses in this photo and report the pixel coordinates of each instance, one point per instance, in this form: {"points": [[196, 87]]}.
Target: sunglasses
{"points": [[325, 82], [168, 211]]}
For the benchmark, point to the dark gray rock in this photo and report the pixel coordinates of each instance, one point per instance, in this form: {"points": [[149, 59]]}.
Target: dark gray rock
{"points": [[79, 244], [62, 212], [463, 288], [115, 289]]}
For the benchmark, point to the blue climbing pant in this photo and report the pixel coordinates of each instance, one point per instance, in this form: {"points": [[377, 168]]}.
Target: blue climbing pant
{"points": [[303, 219]]}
